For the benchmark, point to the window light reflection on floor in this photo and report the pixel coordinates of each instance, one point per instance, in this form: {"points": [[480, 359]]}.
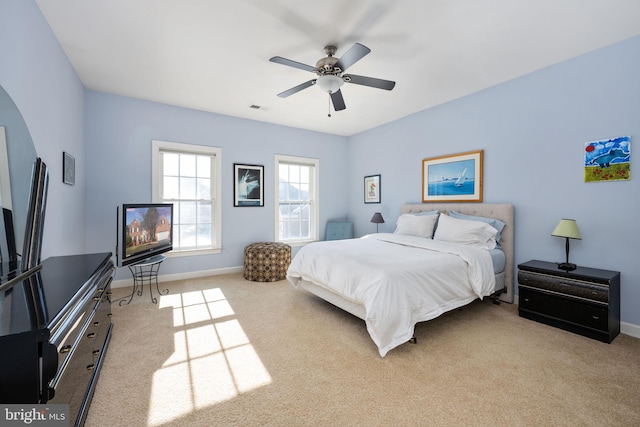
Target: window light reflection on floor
{"points": [[213, 360]]}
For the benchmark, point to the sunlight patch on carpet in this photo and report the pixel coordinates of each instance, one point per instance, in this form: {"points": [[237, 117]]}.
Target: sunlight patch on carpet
{"points": [[213, 360]]}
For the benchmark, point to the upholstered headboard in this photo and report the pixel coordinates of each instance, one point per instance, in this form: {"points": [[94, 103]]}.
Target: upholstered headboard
{"points": [[503, 212]]}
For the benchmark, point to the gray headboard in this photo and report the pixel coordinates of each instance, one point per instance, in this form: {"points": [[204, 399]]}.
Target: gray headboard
{"points": [[503, 212]]}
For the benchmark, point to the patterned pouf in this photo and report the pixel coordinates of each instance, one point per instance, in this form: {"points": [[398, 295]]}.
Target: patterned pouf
{"points": [[266, 261]]}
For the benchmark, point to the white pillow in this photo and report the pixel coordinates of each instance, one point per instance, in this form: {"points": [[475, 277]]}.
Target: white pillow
{"points": [[467, 232], [416, 225], [494, 222]]}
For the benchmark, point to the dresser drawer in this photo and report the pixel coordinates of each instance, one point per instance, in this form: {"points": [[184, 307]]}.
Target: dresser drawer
{"points": [[73, 330], [81, 350], [565, 309], [100, 324], [566, 286]]}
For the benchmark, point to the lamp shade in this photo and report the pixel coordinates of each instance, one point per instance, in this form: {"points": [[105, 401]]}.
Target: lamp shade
{"points": [[567, 228], [377, 218], [329, 83]]}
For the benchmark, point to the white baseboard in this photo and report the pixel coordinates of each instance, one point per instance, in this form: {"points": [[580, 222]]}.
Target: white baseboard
{"points": [[625, 328], [124, 283], [630, 329]]}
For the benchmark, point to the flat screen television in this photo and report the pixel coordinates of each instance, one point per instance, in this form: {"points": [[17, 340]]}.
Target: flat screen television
{"points": [[145, 230]]}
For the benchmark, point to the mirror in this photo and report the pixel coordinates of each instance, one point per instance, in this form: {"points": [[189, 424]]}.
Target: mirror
{"points": [[17, 157]]}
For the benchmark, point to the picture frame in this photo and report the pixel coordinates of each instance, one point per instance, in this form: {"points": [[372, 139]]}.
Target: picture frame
{"points": [[68, 168], [248, 185], [453, 178], [372, 189], [608, 160]]}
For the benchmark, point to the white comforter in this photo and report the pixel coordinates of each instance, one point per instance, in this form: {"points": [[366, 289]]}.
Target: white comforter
{"points": [[400, 280]]}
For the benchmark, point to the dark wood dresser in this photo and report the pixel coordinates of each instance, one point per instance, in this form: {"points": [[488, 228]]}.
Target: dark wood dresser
{"points": [[55, 326], [585, 300]]}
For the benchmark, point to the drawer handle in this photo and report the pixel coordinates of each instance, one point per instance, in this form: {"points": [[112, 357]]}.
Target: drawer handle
{"points": [[66, 349], [91, 335], [596, 317], [96, 298], [100, 290], [96, 352], [96, 324], [526, 300], [90, 367]]}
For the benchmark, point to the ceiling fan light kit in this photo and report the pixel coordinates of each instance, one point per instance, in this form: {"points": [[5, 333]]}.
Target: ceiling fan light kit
{"points": [[329, 83], [330, 74]]}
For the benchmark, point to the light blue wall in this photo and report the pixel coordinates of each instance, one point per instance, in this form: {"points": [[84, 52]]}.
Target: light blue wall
{"points": [[38, 76], [532, 131], [119, 132]]}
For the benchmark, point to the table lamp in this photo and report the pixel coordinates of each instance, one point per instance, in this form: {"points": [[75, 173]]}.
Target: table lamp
{"points": [[377, 219], [567, 228]]}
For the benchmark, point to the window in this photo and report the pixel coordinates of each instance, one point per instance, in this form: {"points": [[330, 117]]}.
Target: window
{"points": [[296, 199], [189, 177]]}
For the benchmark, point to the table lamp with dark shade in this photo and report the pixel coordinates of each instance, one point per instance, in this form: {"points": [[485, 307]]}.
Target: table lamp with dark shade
{"points": [[377, 219], [567, 228]]}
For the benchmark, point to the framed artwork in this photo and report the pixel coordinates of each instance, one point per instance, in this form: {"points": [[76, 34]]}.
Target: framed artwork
{"points": [[372, 189], [248, 185], [608, 160], [68, 168], [453, 178]]}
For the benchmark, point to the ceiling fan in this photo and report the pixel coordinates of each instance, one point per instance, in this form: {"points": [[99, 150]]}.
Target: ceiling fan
{"points": [[330, 71]]}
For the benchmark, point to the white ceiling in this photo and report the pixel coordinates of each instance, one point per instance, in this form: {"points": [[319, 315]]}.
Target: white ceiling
{"points": [[213, 55]]}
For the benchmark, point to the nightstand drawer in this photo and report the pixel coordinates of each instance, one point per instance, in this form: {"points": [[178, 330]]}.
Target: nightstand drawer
{"points": [[566, 309], [563, 285]]}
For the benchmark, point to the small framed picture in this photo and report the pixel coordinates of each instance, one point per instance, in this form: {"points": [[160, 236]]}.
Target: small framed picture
{"points": [[248, 182], [68, 168], [372, 189], [608, 160]]}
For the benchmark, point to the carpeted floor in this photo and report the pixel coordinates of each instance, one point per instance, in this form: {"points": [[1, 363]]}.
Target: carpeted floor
{"points": [[223, 351]]}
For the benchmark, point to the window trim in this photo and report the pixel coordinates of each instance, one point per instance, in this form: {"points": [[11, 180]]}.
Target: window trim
{"points": [[314, 185], [156, 177]]}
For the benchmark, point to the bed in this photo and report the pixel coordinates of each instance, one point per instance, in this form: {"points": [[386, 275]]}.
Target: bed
{"points": [[394, 280]]}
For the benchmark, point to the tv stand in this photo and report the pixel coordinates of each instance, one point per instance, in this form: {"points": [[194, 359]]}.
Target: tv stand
{"points": [[145, 271]]}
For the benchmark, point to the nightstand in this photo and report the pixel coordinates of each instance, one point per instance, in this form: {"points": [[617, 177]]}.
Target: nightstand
{"points": [[585, 301]]}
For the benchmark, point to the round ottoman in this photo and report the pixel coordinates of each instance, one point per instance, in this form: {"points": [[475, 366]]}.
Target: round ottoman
{"points": [[266, 261]]}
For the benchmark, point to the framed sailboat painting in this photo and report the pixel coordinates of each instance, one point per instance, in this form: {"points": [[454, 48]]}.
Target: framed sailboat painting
{"points": [[453, 178]]}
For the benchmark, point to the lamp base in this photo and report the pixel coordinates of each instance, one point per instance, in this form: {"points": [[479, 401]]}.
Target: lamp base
{"points": [[567, 266]]}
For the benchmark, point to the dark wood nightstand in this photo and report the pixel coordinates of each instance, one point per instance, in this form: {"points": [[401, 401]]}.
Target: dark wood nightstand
{"points": [[585, 301]]}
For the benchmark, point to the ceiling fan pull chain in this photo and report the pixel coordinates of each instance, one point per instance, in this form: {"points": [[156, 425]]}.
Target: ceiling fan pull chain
{"points": [[329, 115]]}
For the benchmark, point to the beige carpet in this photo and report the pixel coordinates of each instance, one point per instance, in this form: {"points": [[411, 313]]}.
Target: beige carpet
{"points": [[223, 351]]}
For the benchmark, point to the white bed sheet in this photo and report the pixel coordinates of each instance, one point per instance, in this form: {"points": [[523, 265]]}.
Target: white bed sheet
{"points": [[400, 280]]}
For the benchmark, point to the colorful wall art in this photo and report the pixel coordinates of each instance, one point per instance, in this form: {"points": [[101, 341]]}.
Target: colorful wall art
{"points": [[608, 160]]}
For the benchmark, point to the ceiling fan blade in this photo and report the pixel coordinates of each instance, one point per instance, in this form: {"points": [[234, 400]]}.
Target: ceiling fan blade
{"points": [[296, 89], [353, 55], [370, 81], [294, 64], [338, 101]]}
